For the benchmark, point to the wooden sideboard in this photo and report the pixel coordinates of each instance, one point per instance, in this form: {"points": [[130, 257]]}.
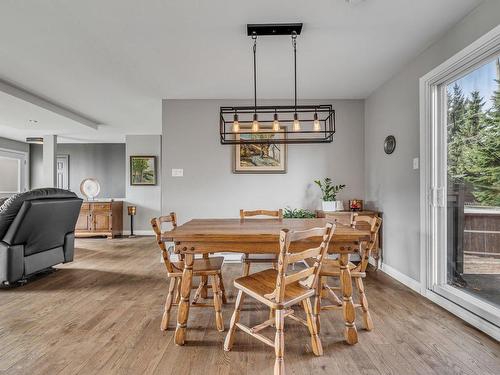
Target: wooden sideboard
{"points": [[100, 218], [345, 217]]}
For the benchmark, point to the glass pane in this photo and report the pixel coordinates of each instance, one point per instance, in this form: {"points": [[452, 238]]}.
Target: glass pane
{"points": [[9, 175], [473, 209]]}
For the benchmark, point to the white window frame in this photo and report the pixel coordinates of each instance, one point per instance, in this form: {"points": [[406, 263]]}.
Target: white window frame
{"points": [[433, 185]]}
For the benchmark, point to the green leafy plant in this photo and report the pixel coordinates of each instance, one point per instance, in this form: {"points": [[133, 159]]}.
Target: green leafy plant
{"points": [[328, 190], [298, 213]]}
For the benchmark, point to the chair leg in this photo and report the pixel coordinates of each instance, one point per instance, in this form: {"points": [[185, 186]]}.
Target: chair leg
{"points": [[317, 302], [367, 319], [279, 344], [228, 343], [246, 267], [317, 348], [168, 304], [222, 288], [217, 302], [272, 313], [177, 298], [204, 289]]}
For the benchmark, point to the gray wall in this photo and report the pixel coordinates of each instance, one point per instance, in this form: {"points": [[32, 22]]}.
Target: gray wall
{"points": [[103, 161], [210, 189], [391, 184], [146, 198], [10, 144]]}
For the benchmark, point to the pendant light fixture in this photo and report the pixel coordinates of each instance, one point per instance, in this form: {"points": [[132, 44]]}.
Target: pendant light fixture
{"points": [[276, 124], [296, 123], [255, 121]]}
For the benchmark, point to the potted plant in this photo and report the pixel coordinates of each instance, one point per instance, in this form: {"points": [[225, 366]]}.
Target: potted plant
{"points": [[329, 194], [298, 213]]}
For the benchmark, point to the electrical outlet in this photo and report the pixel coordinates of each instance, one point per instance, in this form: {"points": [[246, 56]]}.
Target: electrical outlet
{"points": [[177, 172], [415, 163]]}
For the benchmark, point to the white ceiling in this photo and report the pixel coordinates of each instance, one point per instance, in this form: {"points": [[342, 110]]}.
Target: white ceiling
{"points": [[115, 60]]}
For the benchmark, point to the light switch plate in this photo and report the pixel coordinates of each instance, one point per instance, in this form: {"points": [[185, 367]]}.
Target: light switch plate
{"points": [[415, 163], [177, 172]]}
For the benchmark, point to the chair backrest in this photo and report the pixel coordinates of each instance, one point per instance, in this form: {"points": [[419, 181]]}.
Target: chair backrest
{"points": [[269, 213], [308, 277], [43, 215], [374, 223], [156, 223]]}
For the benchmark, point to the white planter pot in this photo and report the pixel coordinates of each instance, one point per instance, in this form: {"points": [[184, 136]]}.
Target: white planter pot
{"points": [[329, 206], [339, 205], [332, 206]]}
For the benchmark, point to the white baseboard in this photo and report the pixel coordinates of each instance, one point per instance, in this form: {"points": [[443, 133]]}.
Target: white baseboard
{"points": [[139, 232], [401, 277]]}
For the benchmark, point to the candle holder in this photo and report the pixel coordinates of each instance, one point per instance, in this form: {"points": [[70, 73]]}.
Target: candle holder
{"points": [[131, 212]]}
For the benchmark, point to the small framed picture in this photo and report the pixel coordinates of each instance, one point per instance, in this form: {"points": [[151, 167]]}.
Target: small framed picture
{"points": [[260, 158], [143, 170]]}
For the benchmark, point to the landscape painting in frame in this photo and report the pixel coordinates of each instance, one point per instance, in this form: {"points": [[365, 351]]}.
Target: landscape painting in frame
{"points": [[260, 158], [143, 170]]}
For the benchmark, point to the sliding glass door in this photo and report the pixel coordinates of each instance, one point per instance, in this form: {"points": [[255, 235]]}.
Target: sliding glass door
{"points": [[465, 266]]}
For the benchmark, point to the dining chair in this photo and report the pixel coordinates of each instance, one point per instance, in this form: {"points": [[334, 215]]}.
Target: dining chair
{"points": [[279, 290], [248, 259], [206, 267], [331, 268]]}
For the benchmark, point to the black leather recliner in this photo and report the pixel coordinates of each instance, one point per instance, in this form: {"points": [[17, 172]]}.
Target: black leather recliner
{"points": [[37, 231]]}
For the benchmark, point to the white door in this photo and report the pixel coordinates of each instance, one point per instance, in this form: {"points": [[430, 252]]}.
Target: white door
{"points": [[463, 204], [63, 171], [13, 172], [468, 169]]}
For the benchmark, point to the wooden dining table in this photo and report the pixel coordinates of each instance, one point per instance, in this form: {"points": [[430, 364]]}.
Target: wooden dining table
{"points": [[258, 236]]}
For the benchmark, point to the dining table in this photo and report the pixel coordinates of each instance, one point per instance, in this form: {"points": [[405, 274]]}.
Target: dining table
{"points": [[259, 236]]}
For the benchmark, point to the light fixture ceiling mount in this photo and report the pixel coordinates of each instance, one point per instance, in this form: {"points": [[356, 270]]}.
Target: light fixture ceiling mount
{"points": [[262, 124]]}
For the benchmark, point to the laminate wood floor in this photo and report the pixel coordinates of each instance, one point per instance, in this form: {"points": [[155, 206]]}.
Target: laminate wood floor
{"points": [[101, 315]]}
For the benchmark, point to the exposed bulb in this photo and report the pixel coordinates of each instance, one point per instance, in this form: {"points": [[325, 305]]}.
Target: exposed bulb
{"points": [[316, 124], [296, 123], [255, 123], [236, 124], [276, 123]]}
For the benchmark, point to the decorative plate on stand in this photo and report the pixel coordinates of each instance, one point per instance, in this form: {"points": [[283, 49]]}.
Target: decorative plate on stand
{"points": [[90, 188]]}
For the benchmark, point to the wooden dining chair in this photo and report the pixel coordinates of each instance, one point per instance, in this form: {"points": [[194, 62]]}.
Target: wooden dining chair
{"points": [[206, 267], [248, 259], [331, 268], [279, 290]]}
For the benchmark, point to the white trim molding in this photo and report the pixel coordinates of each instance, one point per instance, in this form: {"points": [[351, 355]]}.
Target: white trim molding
{"points": [[401, 277], [433, 184]]}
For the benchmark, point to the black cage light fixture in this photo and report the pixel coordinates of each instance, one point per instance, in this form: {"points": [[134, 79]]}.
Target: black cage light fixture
{"points": [[276, 124]]}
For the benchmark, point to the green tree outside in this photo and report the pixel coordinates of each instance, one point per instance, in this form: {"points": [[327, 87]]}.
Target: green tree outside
{"points": [[474, 143]]}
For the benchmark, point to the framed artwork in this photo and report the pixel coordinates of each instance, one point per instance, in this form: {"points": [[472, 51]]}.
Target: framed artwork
{"points": [[143, 170], [260, 158]]}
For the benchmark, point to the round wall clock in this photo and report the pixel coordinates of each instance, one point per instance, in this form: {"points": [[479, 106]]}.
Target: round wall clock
{"points": [[389, 144], [90, 188]]}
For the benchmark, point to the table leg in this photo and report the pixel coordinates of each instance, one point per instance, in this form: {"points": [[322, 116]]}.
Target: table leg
{"points": [[183, 309], [204, 280], [350, 332]]}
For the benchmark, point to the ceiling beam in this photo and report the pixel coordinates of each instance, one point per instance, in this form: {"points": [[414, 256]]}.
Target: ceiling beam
{"points": [[22, 94]]}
